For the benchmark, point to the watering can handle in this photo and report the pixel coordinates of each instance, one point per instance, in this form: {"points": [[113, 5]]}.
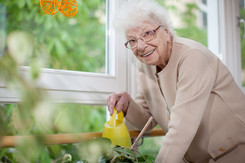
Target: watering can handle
{"points": [[113, 120], [120, 116]]}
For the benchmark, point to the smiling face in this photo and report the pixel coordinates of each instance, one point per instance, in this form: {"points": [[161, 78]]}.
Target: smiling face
{"points": [[154, 52]]}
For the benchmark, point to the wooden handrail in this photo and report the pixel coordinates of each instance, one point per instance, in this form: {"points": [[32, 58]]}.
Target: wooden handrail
{"points": [[12, 141]]}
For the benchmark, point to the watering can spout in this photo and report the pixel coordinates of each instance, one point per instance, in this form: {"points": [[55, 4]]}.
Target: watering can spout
{"points": [[116, 130]]}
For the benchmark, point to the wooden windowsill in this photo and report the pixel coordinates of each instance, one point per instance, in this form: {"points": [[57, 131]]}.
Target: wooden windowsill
{"points": [[12, 141]]}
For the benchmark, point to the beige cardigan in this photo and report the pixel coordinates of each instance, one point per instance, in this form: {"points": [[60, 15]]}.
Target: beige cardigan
{"points": [[195, 100]]}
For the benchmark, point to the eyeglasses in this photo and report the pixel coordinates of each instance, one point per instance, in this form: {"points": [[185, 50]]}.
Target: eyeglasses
{"points": [[146, 37]]}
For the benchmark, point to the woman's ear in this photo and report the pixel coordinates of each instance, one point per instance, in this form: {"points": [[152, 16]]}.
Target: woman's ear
{"points": [[168, 33], [166, 29]]}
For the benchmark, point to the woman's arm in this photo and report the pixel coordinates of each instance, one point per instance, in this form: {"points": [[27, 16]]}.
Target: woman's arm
{"points": [[138, 111]]}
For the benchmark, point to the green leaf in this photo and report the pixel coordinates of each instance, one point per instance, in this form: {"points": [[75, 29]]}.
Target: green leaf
{"points": [[3, 151], [103, 159]]}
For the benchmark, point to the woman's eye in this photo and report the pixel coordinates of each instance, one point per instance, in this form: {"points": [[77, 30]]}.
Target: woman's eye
{"points": [[131, 41], [148, 33]]}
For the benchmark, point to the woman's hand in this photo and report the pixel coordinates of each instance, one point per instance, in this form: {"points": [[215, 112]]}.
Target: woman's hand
{"points": [[120, 101]]}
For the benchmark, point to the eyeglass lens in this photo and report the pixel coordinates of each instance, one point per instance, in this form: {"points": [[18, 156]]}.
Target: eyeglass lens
{"points": [[146, 37]]}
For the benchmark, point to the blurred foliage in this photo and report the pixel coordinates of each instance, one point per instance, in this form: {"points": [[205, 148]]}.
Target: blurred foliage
{"points": [[36, 115], [151, 142], [189, 19], [190, 30], [96, 150], [74, 118], [194, 33]]}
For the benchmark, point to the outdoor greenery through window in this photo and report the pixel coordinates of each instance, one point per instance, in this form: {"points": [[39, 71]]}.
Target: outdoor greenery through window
{"points": [[67, 43]]}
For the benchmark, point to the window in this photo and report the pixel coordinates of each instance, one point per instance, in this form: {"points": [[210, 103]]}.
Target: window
{"points": [[187, 19], [82, 92], [224, 35], [61, 42], [83, 62]]}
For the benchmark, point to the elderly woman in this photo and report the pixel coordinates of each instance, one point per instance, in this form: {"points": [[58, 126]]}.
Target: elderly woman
{"points": [[185, 87]]}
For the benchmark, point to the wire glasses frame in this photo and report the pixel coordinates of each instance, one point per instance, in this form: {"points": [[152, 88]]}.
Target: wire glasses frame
{"points": [[146, 37]]}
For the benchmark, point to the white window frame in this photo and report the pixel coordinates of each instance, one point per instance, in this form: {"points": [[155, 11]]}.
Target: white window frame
{"points": [[224, 34], [82, 87]]}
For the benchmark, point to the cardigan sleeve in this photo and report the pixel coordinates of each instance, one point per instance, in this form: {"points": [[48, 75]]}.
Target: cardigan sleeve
{"points": [[195, 81], [138, 111]]}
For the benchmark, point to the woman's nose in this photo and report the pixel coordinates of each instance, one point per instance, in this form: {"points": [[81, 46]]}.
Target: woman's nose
{"points": [[141, 45]]}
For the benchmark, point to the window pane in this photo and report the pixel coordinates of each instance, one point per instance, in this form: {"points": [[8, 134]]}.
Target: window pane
{"points": [[189, 20], [59, 42], [242, 31]]}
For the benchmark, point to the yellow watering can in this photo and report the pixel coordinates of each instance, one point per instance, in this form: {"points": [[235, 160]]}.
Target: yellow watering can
{"points": [[116, 130]]}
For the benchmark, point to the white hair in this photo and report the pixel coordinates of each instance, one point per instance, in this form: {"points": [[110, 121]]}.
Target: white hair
{"points": [[134, 12]]}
